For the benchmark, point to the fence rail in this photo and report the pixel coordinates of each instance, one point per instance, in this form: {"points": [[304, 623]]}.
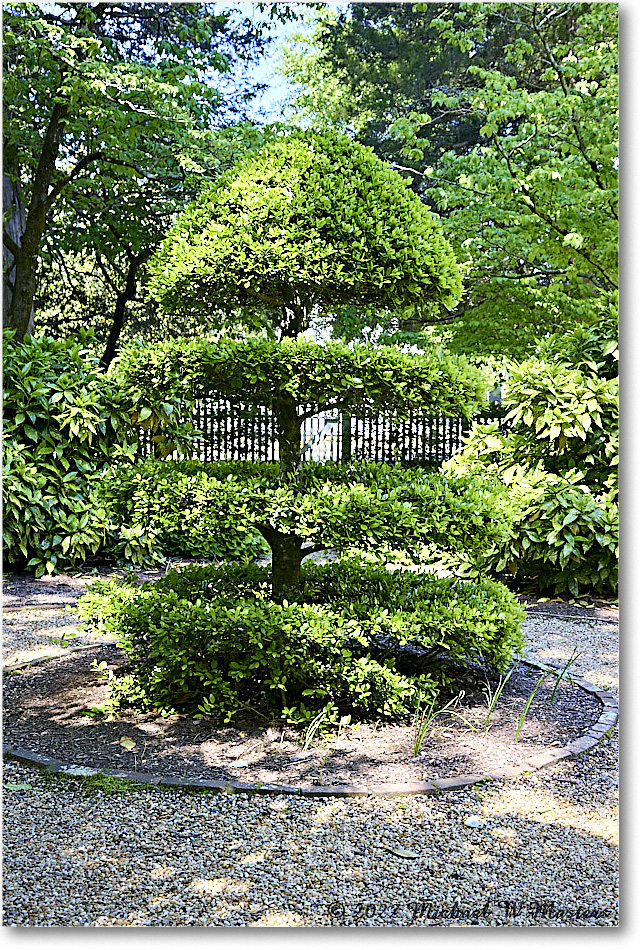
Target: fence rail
{"points": [[230, 431]]}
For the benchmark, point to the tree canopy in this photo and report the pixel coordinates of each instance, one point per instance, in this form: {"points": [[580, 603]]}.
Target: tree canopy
{"points": [[111, 112], [514, 146], [312, 219]]}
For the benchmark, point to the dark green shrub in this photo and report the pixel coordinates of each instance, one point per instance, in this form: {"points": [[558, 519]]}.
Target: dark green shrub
{"points": [[211, 640], [64, 422], [564, 535], [558, 462]]}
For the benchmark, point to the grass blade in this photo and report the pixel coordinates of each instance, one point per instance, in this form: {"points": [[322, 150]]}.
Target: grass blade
{"points": [[543, 677]]}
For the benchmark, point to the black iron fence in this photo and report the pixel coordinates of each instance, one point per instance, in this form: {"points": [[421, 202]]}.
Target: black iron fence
{"points": [[230, 431]]}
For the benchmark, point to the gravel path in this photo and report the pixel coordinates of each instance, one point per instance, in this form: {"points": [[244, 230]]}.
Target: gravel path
{"points": [[541, 849]]}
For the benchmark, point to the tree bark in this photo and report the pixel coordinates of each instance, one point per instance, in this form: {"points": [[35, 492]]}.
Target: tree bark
{"points": [[286, 564], [20, 316], [295, 315], [288, 426], [286, 549], [12, 239]]}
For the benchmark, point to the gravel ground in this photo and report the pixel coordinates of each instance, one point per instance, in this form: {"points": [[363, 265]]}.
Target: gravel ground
{"points": [[541, 850]]}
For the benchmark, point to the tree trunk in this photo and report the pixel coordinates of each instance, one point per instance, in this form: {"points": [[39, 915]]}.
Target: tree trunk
{"points": [[295, 316], [288, 426], [286, 564], [120, 309], [286, 548], [13, 206], [24, 286]]}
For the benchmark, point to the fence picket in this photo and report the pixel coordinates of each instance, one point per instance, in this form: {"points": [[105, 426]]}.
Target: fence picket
{"points": [[236, 432]]}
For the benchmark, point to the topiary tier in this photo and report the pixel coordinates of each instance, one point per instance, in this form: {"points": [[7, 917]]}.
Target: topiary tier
{"points": [[312, 221], [355, 640], [215, 510]]}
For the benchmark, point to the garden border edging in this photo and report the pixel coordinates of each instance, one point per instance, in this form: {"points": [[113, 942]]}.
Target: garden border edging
{"points": [[598, 731]]}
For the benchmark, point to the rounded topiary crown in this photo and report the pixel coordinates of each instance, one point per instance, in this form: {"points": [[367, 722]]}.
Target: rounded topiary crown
{"points": [[313, 217]]}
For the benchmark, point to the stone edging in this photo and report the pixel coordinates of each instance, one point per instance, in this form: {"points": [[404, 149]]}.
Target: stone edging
{"points": [[598, 731]]}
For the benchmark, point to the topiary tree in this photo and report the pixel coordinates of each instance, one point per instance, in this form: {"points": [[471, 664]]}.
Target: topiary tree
{"points": [[311, 221]]}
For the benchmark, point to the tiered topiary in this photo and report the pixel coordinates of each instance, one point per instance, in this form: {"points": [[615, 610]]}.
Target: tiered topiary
{"points": [[312, 220]]}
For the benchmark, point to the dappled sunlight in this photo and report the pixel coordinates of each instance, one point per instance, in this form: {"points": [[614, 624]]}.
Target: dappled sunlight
{"points": [[326, 812], [255, 857], [551, 811], [506, 837], [220, 885], [555, 641], [162, 873], [278, 919], [46, 636]]}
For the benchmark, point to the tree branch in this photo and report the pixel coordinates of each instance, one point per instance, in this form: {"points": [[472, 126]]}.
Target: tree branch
{"points": [[530, 204], [313, 549], [75, 171], [10, 244], [565, 89]]}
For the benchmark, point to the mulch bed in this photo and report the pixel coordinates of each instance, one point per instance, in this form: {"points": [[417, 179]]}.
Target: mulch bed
{"points": [[45, 710]]}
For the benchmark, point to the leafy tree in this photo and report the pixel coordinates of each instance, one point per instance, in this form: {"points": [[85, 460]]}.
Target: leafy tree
{"points": [[377, 64], [109, 109], [297, 378], [529, 200]]}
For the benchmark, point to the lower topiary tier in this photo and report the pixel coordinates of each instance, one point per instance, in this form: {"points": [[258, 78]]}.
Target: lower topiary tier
{"points": [[356, 640]]}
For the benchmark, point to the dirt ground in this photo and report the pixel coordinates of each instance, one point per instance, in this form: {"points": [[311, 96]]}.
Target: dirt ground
{"points": [[52, 709]]}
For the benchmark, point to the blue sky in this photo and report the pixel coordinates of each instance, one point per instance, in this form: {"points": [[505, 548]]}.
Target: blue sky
{"points": [[264, 71]]}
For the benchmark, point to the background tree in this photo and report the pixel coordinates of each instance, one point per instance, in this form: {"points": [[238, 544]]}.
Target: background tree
{"points": [[378, 64], [529, 200], [102, 101], [108, 228]]}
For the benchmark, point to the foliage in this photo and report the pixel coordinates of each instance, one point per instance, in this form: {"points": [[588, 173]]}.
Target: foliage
{"points": [[210, 639], [316, 376], [215, 510], [378, 62], [310, 219], [558, 459], [565, 534], [164, 509], [591, 349], [514, 145], [112, 115], [64, 423]]}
